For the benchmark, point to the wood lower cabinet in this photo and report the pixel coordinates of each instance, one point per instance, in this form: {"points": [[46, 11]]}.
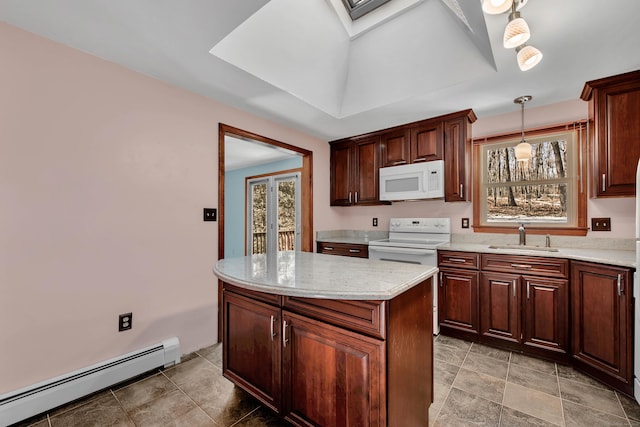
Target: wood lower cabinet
{"points": [[320, 362], [524, 303], [345, 249], [602, 328], [458, 293]]}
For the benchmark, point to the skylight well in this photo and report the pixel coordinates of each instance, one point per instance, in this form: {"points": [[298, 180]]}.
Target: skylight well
{"points": [[358, 8]]}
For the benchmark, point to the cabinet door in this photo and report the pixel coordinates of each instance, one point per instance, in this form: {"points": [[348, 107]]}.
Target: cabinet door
{"points": [[601, 315], [546, 313], [345, 249], [500, 306], [342, 164], [458, 300], [331, 376], [615, 111], [426, 142], [395, 148], [456, 146], [365, 174], [251, 347]]}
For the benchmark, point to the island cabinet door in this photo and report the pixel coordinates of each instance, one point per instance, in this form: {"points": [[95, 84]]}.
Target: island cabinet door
{"points": [[251, 347], [331, 376]]}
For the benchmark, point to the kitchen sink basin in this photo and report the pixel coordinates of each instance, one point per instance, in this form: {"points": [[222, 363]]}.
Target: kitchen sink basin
{"points": [[525, 248]]}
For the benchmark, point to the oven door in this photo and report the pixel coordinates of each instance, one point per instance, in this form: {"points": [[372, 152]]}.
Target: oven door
{"points": [[413, 256]]}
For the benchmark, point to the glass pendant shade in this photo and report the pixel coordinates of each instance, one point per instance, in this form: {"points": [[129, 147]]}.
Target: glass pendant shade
{"points": [[523, 151], [495, 7], [517, 31], [528, 57]]}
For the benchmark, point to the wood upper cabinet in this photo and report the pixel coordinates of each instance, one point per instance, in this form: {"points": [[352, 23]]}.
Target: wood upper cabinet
{"points": [[354, 172], [457, 156], [602, 316], [413, 144], [614, 111], [396, 147]]}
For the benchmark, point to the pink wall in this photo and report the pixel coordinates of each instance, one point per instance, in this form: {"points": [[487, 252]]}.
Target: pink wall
{"points": [[103, 176]]}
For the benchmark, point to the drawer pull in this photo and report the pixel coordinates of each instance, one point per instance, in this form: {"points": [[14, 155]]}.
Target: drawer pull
{"points": [[441, 279], [514, 288], [328, 248], [528, 285], [284, 333], [457, 260], [354, 251], [523, 266], [273, 322], [461, 192], [604, 183], [400, 162], [420, 159]]}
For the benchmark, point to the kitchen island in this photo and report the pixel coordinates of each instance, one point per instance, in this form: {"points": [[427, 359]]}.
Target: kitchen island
{"points": [[330, 341]]}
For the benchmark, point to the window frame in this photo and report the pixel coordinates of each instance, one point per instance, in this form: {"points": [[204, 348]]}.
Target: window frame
{"points": [[581, 134]]}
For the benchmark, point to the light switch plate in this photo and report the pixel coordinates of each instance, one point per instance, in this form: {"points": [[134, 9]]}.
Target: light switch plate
{"points": [[210, 214]]}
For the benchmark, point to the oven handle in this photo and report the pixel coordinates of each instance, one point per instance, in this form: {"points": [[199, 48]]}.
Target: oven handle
{"points": [[408, 251]]}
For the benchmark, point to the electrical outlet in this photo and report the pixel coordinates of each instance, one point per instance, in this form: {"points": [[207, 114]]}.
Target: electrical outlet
{"points": [[210, 214], [375, 222], [600, 224], [465, 222], [125, 322]]}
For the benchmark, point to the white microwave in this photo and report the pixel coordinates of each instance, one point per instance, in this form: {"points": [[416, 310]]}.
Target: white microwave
{"points": [[416, 181]]}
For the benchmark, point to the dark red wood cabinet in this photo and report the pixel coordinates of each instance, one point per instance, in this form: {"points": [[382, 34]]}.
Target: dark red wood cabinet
{"points": [[458, 289], [332, 362], [344, 249], [614, 117], [354, 172]]}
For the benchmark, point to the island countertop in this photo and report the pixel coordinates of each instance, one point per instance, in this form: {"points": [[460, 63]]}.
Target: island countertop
{"points": [[312, 275]]}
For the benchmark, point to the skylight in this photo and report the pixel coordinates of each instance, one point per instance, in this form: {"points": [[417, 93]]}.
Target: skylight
{"points": [[358, 8]]}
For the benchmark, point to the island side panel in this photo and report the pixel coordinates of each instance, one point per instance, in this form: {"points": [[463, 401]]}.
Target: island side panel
{"points": [[410, 357]]}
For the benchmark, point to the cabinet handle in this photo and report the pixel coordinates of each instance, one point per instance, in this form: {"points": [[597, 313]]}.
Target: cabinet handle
{"points": [[456, 260], [604, 182], [284, 333], [514, 288], [461, 195], [441, 279], [523, 266], [420, 159], [328, 248], [400, 162], [349, 197], [354, 251], [619, 285], [528, 285], [356, 197], [273, 322]]}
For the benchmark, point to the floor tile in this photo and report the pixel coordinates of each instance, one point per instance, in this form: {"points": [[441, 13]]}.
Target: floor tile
{"points": [[485, 386], [533, 402], [495, 353], [104, 411], [440, 392], [512, 418], [589, 396], [213, 354], [580, 416], [162, 411], [568, 372], [144, 391], [453, 342], [533, 363], [261, 417], [487, 365], [630, 406], [449, 354], [466, 409], [537, 380], [445, 372]]}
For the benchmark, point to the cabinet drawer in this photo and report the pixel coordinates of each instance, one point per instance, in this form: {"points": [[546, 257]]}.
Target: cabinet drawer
{"points": [[345, 249], [540, 266], [361, 316], [468, 260], [260, 296]]}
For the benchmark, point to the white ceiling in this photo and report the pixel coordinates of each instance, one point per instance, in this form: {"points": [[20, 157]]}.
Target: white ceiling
{"points": [[293, 61]]}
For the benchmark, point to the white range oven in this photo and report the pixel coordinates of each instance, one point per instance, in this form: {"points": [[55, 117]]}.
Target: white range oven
{"points": [[414, 240]]}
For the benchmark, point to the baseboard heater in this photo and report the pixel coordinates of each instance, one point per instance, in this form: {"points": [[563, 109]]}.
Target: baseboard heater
{"points": [[38, 398]]}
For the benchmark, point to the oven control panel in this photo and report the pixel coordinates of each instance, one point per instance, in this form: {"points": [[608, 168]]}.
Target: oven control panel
{"points": [[420, 225]]}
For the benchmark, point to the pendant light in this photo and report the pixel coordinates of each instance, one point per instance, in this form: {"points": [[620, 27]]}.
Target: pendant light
{"points": [[523, 149], [495, 7], [528, 57], [517, 30]]}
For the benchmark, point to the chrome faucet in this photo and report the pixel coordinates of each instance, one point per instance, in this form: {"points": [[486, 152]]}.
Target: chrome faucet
{"points": [[523, 235]]}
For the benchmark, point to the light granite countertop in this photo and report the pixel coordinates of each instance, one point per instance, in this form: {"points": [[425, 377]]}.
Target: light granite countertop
{"points": [[312, 275]]}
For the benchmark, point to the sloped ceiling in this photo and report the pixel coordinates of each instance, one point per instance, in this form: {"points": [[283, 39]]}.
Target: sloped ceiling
{"points": [[294, 62]]}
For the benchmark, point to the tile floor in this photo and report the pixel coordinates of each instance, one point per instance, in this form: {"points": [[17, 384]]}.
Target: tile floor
{"points": [[475, 385]]}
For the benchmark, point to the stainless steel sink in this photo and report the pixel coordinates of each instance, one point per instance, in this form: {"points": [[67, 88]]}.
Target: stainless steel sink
{"points": [[524, 248]]}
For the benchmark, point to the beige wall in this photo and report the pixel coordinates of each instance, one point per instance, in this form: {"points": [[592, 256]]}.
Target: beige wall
{"points": [[103, 176]]}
